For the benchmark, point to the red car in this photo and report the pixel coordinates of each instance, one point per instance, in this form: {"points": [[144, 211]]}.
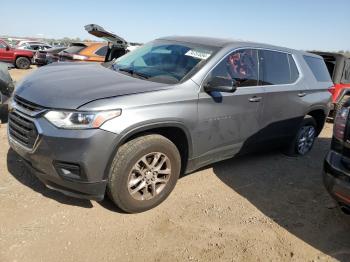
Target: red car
{"points": [[339, 68], [20, 58]]}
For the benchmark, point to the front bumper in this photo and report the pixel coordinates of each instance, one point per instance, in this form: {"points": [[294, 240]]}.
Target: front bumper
{"points": [[88, 151], [336, 178]]}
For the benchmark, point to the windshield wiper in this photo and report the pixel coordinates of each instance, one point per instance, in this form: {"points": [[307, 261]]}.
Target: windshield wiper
{"points": [[128, 70], [133, 72]]}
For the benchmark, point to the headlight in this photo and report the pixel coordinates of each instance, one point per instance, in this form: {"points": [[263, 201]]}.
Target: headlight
{"points": [[80, 120]]}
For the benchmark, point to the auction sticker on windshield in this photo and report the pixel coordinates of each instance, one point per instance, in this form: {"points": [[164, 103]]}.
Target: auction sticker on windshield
{"points": [[199, 54]]}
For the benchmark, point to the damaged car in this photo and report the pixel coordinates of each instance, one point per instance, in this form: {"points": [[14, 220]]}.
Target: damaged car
{"points": [[117, 46], [6, 89], [338, 66], [129, 128]]}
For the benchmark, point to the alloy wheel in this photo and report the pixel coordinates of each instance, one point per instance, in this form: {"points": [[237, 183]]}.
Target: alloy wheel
{"points": [[306, 139], [149, 176]]}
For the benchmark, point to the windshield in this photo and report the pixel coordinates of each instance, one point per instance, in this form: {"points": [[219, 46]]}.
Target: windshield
{"points": [[163, 61]]}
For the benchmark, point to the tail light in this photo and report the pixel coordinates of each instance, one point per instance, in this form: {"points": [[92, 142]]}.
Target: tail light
{"points": [[331, 90], [340, 123]]}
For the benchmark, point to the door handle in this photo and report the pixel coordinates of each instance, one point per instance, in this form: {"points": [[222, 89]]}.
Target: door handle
{"points": [[301, 94], [255, 99]]}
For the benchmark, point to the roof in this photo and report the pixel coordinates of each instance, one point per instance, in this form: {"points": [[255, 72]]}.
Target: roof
{"points": [[223, 42], [219, 42]]}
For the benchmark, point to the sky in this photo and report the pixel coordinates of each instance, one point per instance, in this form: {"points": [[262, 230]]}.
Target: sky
{"points": [[299, 24]]}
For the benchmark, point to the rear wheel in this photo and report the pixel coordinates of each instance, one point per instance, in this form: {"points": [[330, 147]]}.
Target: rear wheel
{"points": [[304, 139], [22, 63], [143, 173]]}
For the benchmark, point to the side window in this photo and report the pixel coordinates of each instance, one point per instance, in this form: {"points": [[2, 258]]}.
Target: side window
{"points": [[294, 73], [102, 51], [346, 72], [318, 68], [2, 46], [241, 66], [275, 68]]}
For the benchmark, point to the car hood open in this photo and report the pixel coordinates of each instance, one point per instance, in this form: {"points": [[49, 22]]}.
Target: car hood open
{"points": [[71, 85]]}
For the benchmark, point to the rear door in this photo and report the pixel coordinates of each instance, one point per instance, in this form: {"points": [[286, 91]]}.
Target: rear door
{"points": [[285, 103]]}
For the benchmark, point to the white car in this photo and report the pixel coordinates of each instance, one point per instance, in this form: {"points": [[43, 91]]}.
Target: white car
{"points": [[33, 45]]}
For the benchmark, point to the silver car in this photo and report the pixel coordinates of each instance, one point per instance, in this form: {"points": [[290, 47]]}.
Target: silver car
{"points": [[132, 126]]}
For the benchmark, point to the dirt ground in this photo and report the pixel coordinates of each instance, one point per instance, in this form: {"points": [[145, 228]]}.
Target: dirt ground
{"points": [[261, 207]]}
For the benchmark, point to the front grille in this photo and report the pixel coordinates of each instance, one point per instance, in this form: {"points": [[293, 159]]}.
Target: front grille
{"points": [[22, 130], [27, 105]]}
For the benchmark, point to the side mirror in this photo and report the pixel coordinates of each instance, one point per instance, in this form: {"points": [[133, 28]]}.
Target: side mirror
{"points": [[221, 84], [7, 48]]}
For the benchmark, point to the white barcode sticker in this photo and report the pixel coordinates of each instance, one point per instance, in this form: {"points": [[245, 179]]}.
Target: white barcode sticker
{"points": [[198, 54]]}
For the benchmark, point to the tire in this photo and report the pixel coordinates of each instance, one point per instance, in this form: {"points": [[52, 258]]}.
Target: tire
{"points": [[306, 133], [340, 104], [22, 62], [130, 182]]}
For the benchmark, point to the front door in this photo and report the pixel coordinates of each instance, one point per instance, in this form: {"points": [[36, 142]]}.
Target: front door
{"points": [[228, 121]]}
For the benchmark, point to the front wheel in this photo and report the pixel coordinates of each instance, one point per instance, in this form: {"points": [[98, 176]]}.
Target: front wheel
{"points": [[304, 139], [143, 173]]}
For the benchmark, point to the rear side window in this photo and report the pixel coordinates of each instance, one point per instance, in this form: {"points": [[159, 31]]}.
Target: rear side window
{"points": [[102, 51], [275, 68], [318, 68], [346, 72]]}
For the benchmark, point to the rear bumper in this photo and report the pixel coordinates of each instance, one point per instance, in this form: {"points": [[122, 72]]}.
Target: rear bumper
{"points": [[336, 178], [40, 61]]}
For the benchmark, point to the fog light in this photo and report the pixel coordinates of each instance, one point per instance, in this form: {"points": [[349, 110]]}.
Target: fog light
{"points": [[69, 170]]}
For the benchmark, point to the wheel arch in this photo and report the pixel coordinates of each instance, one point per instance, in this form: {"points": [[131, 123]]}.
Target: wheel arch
{"points": [[174, 131], [320, 115]]}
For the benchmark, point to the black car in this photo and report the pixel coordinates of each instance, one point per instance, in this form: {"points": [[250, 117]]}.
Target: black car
{"points": [[336, 170], [6, 89], [44, 57]]}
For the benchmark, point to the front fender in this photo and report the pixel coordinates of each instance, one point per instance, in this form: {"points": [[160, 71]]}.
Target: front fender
{"points": [[143, 128]]}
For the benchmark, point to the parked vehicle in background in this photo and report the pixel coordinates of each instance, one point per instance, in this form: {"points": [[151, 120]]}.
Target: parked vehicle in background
{"points": [[171, 106], [117, 45], [13, 41], [339, 68], [336, 169], [6, 89], [34, 46], [20, 58], [87, 51], [48, 56]]}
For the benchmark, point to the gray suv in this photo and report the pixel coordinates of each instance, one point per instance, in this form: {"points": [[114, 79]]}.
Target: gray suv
{"points": [[132, 126]]}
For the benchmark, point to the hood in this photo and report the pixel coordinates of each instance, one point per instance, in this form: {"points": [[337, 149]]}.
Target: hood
{"points": [[71, 85]]}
